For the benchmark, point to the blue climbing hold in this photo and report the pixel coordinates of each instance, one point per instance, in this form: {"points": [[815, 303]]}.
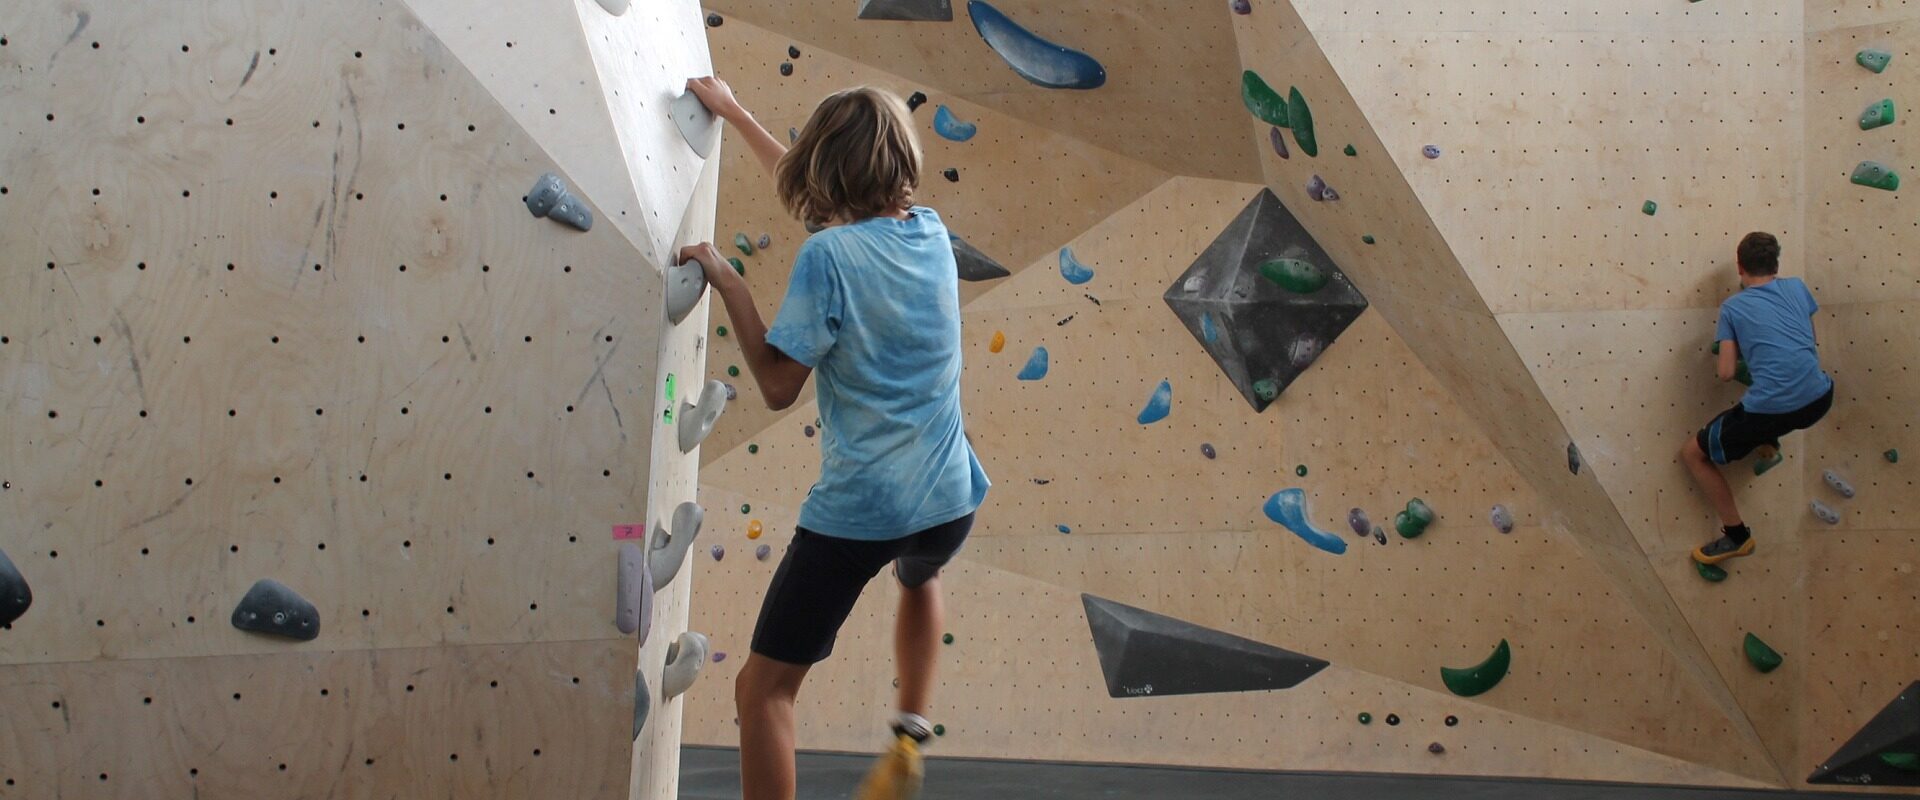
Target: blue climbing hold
{"points": [[1289, 508], [950, 127], [1036, 367], [1036, 59], [1063, 529], [1159, 405], [1207, 330], [1075, 272]]}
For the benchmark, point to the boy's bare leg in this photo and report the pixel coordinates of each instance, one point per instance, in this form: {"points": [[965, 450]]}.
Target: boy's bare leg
{"points": [[764, 695], [1711, 481], [916, 643]]}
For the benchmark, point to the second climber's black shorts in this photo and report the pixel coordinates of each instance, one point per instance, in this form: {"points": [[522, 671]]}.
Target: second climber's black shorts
{"points": [[821, 577], [1737, 432]]}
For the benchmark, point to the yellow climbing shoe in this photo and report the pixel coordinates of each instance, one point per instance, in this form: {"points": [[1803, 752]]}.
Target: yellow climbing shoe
{"points": [[897, 775], [1722, 549]]}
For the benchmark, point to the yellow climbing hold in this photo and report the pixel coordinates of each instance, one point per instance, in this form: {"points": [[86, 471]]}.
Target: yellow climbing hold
{"points": [[754, 529], [999, 342]]}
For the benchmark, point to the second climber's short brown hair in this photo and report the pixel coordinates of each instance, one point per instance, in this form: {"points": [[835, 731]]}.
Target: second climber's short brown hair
{"points": [[1760, 254], [857, 157]]}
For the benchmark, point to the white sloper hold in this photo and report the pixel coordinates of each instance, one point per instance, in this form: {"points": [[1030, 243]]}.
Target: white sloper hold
{"points": [[697, 421], [685, 659], [669, 548], [697, 124], [685, 284], [633, 612]]}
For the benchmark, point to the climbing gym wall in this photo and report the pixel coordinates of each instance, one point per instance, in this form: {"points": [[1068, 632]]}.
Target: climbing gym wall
{"points": [[315, 439], [1539, 210]]}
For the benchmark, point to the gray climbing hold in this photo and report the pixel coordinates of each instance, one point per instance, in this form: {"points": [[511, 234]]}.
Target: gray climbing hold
{"points": [[907, 10], [1878, 115], [973, 264], [550, 198], [642, 703], [272, 608], [1502, 519], [1573, 458], [633, 613], [1825, 513], [1838, 483], [696, 421], [697, 124], [669, 548], [1143, 653], [766, 240], [615, 7], [1431, 151], [1874, 755], [685, 283], [760, 553], [15, 595], [1379, 535], [685, 658], [1262, 335]]}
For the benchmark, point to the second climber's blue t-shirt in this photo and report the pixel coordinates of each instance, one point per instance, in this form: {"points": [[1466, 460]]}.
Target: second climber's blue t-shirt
{"points": [[874, 308], [1773, 325]]}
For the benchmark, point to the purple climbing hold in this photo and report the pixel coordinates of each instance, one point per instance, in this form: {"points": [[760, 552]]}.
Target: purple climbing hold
{"points": [[719, 552], [1357, 520], [1242, 7], [1208, 451], [1436, 749], [760, 553], [766, 240], [1317, 188], [1303, 351], [732, 393], [1279, 143], [1431, 151], [719, 656], [808, 430]]}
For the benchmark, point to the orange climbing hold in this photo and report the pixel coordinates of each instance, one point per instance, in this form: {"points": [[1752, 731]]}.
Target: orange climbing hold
{"points": [[753, 529], [999, 342]]}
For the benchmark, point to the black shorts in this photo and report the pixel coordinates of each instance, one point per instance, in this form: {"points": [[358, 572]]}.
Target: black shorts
{"points": [[1737, 432], [821, 576]]}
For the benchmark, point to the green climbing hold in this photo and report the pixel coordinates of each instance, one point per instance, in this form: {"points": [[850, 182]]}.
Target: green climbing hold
{"points": [[1892, 456], [1294, 275], [1367, 238], [1876, 175], [1300, 470], [746, 509], [741, 241], [1414, 520], [1764, 658], [947, 639], [1712, 573], [1262, 100], [733, 371], [1877, 115], [1874, 59], [1478, 679], [738, 265], [1266, 389], [1650, 208], [722, 332], [939, 730], [1350, 151], [1300, 119], [1905, 762], [1366, 718], [753, 449]]}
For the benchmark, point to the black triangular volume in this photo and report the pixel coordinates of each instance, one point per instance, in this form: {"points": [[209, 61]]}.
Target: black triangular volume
{"points": [[1146, 654], [974, 265], [15, 596], [1886, 751], [907, 10]]}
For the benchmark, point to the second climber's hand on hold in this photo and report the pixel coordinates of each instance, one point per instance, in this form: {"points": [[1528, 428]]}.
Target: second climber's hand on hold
{"points": [[712, 263], [718, 97]]}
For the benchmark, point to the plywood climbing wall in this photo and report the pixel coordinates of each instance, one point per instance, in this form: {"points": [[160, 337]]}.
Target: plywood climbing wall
{"points": [[273, 307], [1522, 300]]}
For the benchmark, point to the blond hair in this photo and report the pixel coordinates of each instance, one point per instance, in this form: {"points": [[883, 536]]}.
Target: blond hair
{"points": [[857, 157]]}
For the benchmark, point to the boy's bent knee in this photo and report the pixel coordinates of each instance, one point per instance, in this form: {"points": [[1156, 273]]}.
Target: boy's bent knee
{"points": [[1691, 450]]}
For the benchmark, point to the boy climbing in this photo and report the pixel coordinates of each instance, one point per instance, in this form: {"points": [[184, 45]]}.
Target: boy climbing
{"points": [[873, 312], [1769, 323]]}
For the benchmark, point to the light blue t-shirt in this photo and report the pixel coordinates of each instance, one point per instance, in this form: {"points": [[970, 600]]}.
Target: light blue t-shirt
{"points": [[874, 308], [1773, 325]]}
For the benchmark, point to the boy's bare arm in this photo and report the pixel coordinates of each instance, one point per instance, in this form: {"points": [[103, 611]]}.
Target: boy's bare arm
{"points": [[718, 98], [1729, 364], [780, 377]]}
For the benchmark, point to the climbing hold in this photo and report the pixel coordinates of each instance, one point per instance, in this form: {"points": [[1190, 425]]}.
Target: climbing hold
{"points": [[1300, 121], [1826, 513], [786, 69], [752, 448], [760, 553], [1876, 175], [1892, 456], [1430, 151], [1266, 389], [550, 198], [738, 265], [974, 265], [696, 422], [1881, 752], [947, 639], [1838, 483], [1260, 99], [669, 549], [1317, 188], [1767, 462], [685, 283], [1294, 275], [1289, 508], [1366, 718], [698, 126], [1242, 7], [1452, 720], [939, 730], [1877, 115], [719, 656], [1502, 519], [1145, 654], [1573, 458], [740, 241], [793, 135], [1437, 749], [15, 596], [952, 175], [1763, 658], [718, 552], [1478, 679], [642, 696], [733, 370], [793, 51], [1357, 520], [1075, 272], [1393, 719], [1379, 535], [1874, 59], [1208, 332], [916, 100], [685, 658], [998, 342], [1300, 470], [907, 10], [754, 529], [1158, 405], [950, 127], [1905, 762], [1036, 367], [1038, 60], [1063, 529], [1208, 451], [633, 608], [1366, 239], [766, 240], [1650, 208], [615, 7], [715, 20], [1279, 141], [732, 394], [272, 608], [1414, 520], [1350, 151], [1710, 572], [746, 509]]}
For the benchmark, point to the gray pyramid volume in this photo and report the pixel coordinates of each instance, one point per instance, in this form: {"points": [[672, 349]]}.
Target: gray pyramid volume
{"points": [[908, 10], [1886, 751], [1262, 334], [1146, 654]]}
